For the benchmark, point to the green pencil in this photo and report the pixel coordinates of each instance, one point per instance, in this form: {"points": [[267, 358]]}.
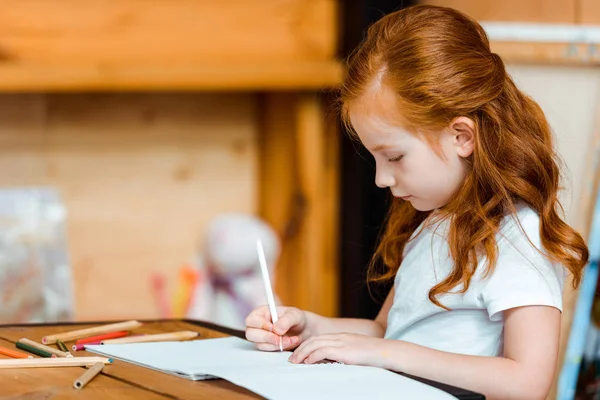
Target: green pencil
{"points": [[33, 350], [61, 345]]}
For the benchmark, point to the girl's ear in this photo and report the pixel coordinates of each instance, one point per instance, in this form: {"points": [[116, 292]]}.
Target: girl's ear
{"points": [[463, 131]]}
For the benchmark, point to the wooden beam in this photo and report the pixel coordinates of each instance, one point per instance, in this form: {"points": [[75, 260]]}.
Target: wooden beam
{"points": [[310, 148], [547, 53], [588, 12], [277, 185], [311, 75], [183, 32], [63, 45], [562, 11], [298, 196]]}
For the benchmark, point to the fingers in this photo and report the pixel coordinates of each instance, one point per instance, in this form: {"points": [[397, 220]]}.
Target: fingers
{"points": [[260, 318], [262, 336], [268, 341], [312, 349], [266, 335], [289, 318], [321, 354]]}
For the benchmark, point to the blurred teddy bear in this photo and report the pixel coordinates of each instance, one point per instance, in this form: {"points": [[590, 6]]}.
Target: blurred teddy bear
{"points": [[230, 283]]}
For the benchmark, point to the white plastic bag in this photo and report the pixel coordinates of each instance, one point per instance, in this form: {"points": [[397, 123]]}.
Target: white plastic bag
{"points": [[35, 276]]}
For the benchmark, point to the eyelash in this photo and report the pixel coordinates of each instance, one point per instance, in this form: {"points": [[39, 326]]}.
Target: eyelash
{"points": [[395, 159]]}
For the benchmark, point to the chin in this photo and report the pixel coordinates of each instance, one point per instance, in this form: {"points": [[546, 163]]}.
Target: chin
{"points": [[419, 206]]}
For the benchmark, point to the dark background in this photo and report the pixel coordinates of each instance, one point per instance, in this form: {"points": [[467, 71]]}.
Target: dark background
{"points": [[363, 205]]}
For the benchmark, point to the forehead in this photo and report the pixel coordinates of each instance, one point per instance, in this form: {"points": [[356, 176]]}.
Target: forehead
{"points": [[377, 122], [377, 118]]}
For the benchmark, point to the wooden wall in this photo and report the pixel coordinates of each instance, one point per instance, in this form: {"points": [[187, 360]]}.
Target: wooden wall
{"points": [[140, 174], [547, 11]]}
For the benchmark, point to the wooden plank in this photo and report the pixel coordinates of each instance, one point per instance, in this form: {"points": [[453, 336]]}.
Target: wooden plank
{"points": [[144, 378], [312, 294], [547, 53], [184, 32], [298, 191], [588, 12], [141, 177], [47, 383], [562, 11], [300, 75], [56, 45], [279, 203]]}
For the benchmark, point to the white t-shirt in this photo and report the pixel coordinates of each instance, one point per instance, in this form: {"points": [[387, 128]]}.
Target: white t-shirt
{"points": [[475, 323]]}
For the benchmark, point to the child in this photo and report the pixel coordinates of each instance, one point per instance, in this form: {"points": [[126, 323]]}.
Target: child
{"points": [[473, 239]]}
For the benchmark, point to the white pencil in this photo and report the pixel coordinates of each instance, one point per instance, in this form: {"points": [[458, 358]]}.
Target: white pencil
{"points": [[267, 283], [53, 362]]}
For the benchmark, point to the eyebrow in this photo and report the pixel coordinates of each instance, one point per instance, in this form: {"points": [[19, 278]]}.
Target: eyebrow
{"points": [[380, 147]]}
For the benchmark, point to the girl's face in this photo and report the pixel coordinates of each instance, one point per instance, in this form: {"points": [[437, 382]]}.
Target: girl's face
{"points": [[408, 165]]}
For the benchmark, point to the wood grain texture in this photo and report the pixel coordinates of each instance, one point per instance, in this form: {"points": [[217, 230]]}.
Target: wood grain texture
{"points": [[298, 195], [129, 379], [588, 12], [188, 44], [548, 53], [141, 177], [48, 383], [562, 11], [240, 76]]}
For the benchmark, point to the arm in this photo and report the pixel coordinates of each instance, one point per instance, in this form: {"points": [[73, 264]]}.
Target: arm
{"points": [[525, 372], [319, 325]]}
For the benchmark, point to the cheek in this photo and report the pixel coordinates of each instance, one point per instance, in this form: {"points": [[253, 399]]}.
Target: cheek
{"points": [[433, 176]]}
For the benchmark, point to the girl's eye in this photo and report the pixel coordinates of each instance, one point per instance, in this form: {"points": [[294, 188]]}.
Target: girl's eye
{"points": [[394, 159]]}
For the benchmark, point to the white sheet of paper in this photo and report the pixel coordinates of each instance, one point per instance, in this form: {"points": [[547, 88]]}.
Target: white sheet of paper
{"points": [[268, 374]]}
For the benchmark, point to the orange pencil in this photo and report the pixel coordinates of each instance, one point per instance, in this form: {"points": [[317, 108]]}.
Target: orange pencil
{"points": [[13, 353], [104, 336]]}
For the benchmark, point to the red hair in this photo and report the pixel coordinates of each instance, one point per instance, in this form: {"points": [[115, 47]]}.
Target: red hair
{"points": [[438, 63]]}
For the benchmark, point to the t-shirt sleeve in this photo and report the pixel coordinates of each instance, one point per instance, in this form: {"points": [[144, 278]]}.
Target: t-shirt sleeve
{"points": [[523, 276]]}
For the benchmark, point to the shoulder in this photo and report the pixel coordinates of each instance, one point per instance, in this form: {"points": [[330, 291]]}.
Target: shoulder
{"points": [[524, 223], [523, 274]]}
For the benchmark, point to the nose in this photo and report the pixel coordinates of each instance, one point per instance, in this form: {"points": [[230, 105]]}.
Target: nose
{"points": [[384, 179]]}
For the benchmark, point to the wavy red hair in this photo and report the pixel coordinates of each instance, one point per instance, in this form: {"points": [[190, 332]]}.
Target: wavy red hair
{"points": [[439, 65]]}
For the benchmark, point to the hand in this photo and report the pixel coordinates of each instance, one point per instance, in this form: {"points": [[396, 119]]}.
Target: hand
{"points": [[290, 327], [346, 348]]}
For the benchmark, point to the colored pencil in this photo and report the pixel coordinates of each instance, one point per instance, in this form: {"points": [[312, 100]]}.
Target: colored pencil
{"points": [[88, 375], [73, 335], [62, 346], [188, 279], [81, 346], [42, 347], [53, 362], [160, 337], [13, 353], [104, 336], [34, 350]]}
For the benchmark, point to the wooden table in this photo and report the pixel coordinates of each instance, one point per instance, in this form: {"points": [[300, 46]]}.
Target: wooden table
{"points": [[121, 380]]}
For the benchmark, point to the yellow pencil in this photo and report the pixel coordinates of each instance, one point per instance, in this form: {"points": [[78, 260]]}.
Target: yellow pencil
{"points": [[74, 335], [160, 337]]}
